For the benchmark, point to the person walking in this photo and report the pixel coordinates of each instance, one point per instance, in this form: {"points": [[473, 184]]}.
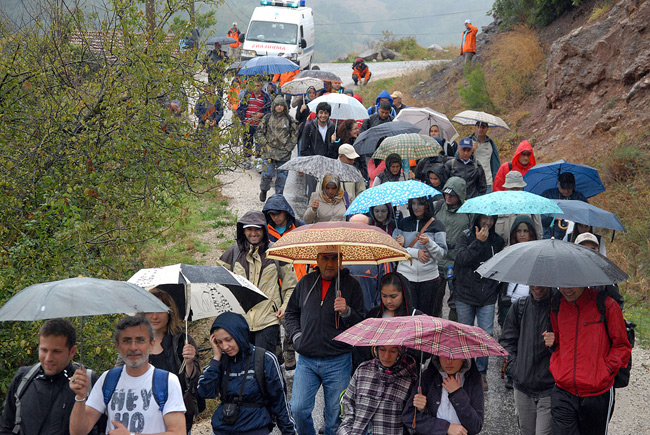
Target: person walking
{"points": [[318, 140], [522, 161], [566, 189], [466, 166], [503, 226], [325, 302], [468, 42], [486, 152], [476, 296], [397, 102], [253, 105], [246, 405], [329, 204], [277, 136], [348, 155]]}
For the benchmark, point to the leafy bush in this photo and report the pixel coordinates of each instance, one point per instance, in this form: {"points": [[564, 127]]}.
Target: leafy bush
{"points": [[531, 12], [407, 46], [475, 94]]}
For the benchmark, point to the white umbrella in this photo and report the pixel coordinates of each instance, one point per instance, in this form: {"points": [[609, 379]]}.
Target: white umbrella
{"points": [[424, 118], [471, 117], [301, 86], [343, 106]]}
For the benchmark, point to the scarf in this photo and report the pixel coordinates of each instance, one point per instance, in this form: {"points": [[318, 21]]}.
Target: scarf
{"points": [[330, 178]]}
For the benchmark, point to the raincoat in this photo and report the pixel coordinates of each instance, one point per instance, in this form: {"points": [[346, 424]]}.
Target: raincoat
{"points": [[277, 134], [250, 417], [468, 41], [374, 109], [514, 165], [250, 261]]}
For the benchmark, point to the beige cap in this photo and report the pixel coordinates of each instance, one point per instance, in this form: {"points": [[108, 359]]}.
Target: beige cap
{"points": [[348, 151], [514, 179], [587, 237], [397, 94]]}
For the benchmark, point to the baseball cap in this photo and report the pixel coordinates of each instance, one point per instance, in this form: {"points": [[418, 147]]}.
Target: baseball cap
{"points": [[465, 143], [348, 151], [397, 94], [252, 226], [234, 23], [587, 237], [467, 21], [449, 191]]}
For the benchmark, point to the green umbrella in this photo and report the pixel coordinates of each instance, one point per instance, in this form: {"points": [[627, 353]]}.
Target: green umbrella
{"points": [[410, 146]]}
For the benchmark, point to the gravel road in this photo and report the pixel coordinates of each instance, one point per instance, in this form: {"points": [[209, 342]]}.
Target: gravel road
{"points": [[242, 189]]}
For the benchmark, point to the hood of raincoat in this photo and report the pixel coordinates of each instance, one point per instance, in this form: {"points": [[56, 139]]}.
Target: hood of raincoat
{"points": [[438, 169], [278, 202], [475, 224], [279, 100], [252, 217], [516, 166], [236, 325], [531, 227], [384, 94], [406, 308], [459, 186]]}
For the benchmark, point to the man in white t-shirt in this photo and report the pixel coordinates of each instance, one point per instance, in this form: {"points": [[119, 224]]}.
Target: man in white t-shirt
{"points": [[132, 408]]}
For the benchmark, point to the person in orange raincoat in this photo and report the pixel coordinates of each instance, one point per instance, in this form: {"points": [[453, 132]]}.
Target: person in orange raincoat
{"points": [[468, 42], [234, 51], [360, 72]]}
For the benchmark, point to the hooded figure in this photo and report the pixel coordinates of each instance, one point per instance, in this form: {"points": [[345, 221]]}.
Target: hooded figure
{"points": [[255, 409], [386, 175], [279, 203], [277, 134], [249, 260], [438, 169], [383, 94], [405, 308], [388, 224], [515, 165]]}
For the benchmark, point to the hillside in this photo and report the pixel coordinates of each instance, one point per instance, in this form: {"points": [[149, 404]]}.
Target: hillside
{"points": [[578, 89]]}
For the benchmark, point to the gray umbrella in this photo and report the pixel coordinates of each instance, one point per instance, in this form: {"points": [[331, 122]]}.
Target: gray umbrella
{"points": [[551, 263], [319, 166], [366, 143], [223, 40], [75, 297], [588, 214]]}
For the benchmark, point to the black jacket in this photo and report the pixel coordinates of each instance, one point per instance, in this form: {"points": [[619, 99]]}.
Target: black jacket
{"points": [[469, 287], [472, 173], [529, 357], [46, 404], [374, 121], [311, 323], [312, 141]]}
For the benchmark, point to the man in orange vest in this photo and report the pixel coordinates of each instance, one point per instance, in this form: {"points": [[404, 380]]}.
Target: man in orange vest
{"points": [[234, 51], [468, 42]]}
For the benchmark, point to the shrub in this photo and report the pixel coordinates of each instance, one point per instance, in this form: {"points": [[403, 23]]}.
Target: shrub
{"points": [[531, 12], [407, 46], [475, 93]]}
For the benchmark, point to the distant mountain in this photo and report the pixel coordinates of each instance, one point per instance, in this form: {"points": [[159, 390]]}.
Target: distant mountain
{"points": [[343, 26]]}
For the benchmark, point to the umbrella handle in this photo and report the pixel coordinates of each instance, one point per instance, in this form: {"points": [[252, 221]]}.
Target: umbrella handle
{"points": [[416, 410]]}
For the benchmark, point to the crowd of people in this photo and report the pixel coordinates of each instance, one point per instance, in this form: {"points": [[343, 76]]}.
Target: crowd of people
{"points": [[565, 345]]}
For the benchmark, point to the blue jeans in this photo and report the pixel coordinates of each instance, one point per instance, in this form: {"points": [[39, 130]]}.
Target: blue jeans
{"points": [[484, 319], [334, 373], [270, 171]]}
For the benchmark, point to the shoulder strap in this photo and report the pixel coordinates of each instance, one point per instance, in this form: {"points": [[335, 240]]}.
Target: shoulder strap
{"points": [[235, 255], [437, 206], [424, 228], [555, 303], [260, 375], [453, 163], [600, 303], [110, 383], [160, 387], [510, 166], [24, 383]]}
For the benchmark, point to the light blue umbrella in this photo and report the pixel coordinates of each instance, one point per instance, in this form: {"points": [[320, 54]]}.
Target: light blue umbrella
{"points": [[510, 202], [395, 193], [266, 65]]}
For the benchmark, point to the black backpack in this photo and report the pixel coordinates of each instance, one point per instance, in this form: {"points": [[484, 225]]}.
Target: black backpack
{"points": [[622, 378]]}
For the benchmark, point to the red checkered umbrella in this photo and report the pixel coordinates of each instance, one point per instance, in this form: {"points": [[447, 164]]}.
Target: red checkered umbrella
{"points": [[425, 333]]}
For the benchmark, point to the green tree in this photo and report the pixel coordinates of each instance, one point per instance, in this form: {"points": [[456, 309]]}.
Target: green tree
{"points": [[182, 27], [92, 156], [475, 94]]}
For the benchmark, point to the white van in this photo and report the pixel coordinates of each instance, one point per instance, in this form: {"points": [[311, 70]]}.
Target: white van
{"points": [[280, 27]]}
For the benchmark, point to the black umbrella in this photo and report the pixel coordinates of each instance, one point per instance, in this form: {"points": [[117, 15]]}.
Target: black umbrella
{"points": [[551, 263], [223, 40], [366, 143]]}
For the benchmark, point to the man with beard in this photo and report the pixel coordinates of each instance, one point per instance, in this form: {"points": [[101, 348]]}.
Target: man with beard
{"points": [[130, 408]]}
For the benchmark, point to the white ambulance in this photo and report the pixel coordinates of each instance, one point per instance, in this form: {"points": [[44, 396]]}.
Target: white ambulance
{"points": [[281, 27]]}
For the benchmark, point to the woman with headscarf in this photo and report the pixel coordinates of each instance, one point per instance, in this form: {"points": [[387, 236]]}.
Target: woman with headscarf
{"points": [[328, 204], [383, 216], [377, 393], [392, 172]]}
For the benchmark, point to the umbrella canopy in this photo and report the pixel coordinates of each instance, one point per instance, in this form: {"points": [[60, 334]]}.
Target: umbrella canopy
{"points": [[75, 297], [207, 290], [319, 166], [300, 86], [509, 202], [409, 146], [425, 333], [343, 106], [544, 176], [395, 193], [366, 143], [266, 65], [471, 117], [551, 263], [359, 244], [585, 213], [424, 118], [318, 74], [223, 40]]}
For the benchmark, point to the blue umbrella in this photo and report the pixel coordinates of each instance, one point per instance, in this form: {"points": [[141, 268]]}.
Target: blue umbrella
{"points": [[396, 193], [509, 202], [266, 65], [544, 176], [585, 213]]}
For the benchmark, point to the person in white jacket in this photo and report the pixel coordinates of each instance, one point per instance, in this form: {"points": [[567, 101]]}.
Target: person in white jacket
{"points": [[424, 238]]}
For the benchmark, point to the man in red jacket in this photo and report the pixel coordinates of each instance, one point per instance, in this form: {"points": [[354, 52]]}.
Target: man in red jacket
{"points": [[588, 351], [522, 161], [468, 41]]}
